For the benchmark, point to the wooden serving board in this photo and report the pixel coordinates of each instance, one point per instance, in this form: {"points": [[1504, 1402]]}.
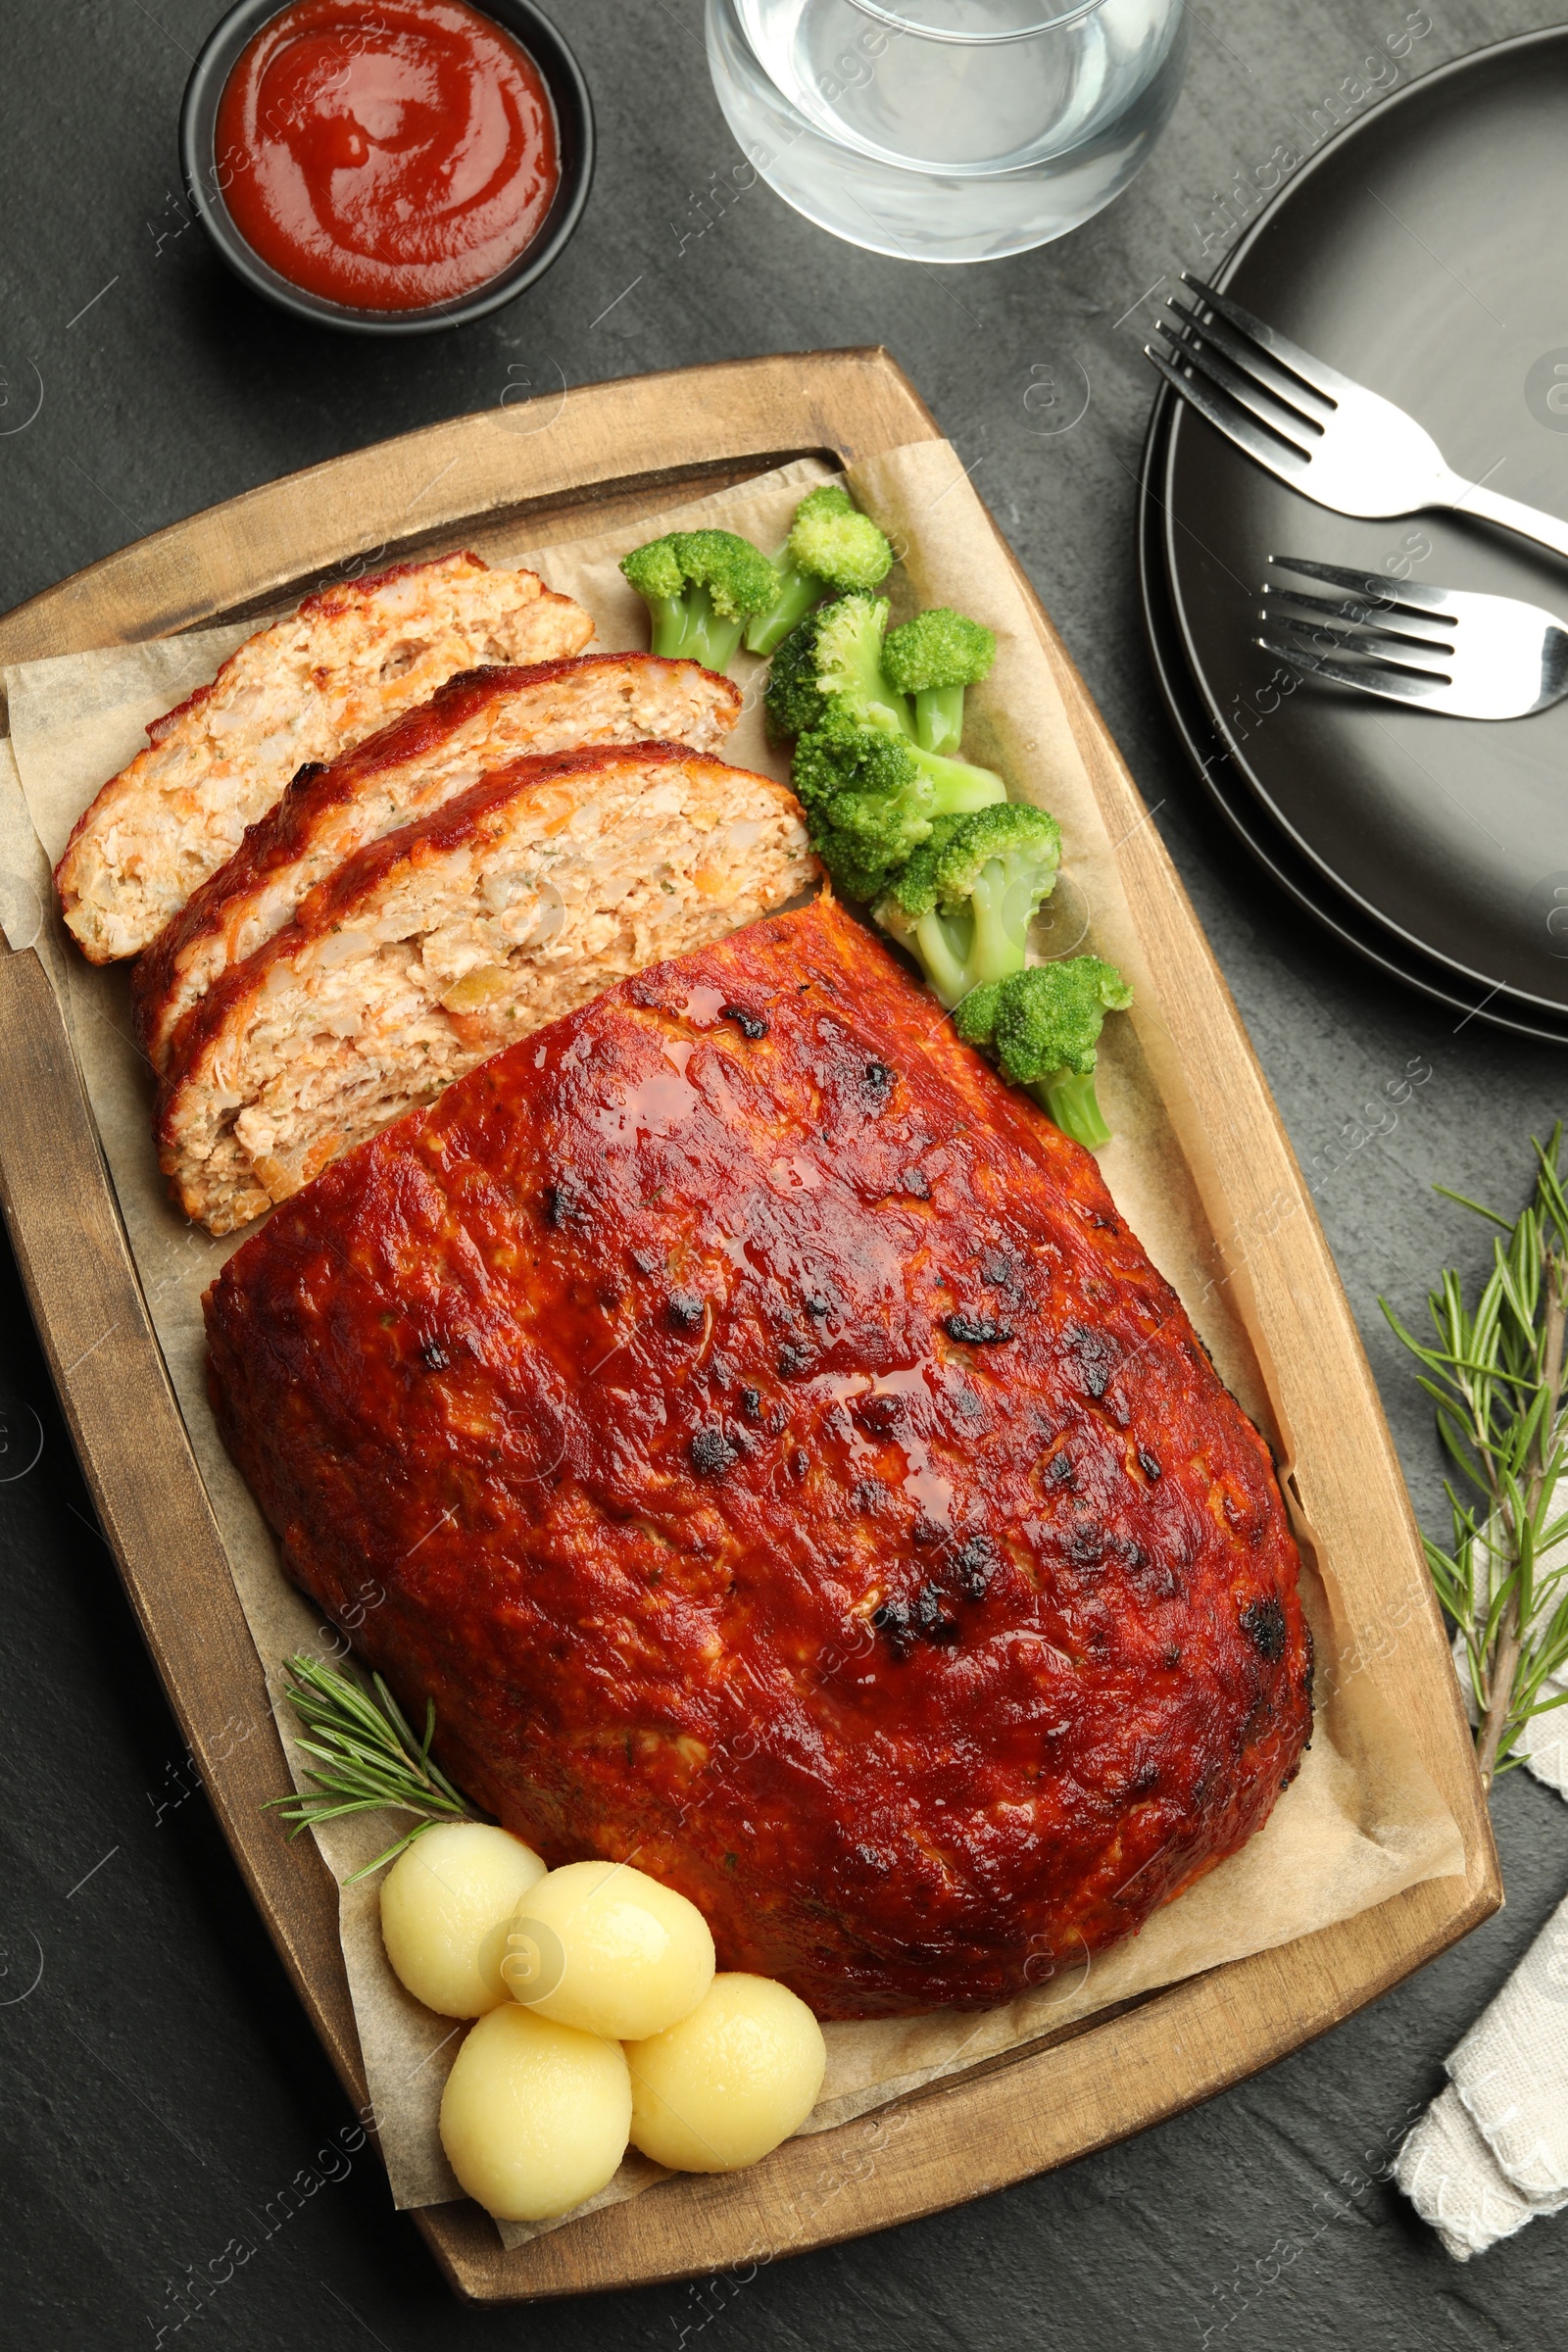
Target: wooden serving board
{"points": [[601, 455]]}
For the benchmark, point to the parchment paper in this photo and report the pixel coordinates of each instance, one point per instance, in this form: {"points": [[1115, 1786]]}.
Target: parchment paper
{"points": [[1362, 1819]]}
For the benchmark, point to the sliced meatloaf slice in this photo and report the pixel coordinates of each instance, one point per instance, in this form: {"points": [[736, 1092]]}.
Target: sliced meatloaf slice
{"points": [[352, 657], [472, 726], [439, 943]]}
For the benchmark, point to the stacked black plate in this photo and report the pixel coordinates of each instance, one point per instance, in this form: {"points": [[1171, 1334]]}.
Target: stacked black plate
{"points": [[1420, 250]]}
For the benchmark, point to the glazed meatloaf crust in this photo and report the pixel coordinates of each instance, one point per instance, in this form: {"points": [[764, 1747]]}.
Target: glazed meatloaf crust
{"points": [[448, 939], [349, 660], [781, 1465], [473, 723]]}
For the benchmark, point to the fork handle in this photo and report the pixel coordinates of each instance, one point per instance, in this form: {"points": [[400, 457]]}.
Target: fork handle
{"points": [[1547, 530]]}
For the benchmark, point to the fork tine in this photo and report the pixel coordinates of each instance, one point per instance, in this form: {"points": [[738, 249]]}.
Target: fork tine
{"points": [[1399, 628], [1267, 407], [1317, 375], [1382, 584], [1318, 641], [1280, 456], [1359, 609], [1350, 640], [1395, 685], [1246, 394], [1254, 362]]}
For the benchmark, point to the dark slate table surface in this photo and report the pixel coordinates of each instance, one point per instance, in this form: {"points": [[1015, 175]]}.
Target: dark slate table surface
{"points": [[161, 2086]]}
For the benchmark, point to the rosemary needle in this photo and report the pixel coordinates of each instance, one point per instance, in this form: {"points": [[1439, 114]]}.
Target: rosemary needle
{"points": [[367, 1758], [1497, 1377]]}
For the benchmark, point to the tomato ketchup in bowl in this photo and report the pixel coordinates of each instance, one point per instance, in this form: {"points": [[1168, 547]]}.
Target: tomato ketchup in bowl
{"points": [[387, 165]]}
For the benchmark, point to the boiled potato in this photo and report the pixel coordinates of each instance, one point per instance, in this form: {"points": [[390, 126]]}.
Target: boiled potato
{"points": [[447, 1903], [535, 2116], [729, 2081], [600, 1945]]}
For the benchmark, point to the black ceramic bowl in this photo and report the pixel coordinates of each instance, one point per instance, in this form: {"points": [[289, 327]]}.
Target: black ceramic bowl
{"points": [[574, 126]]}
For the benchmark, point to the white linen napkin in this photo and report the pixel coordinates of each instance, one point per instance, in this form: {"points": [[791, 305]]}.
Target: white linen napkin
{"points": [[1492, 2151]]}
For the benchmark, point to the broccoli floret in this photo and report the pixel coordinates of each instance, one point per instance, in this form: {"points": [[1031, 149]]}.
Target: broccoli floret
{"points": [[934, 658], [848, 658], [702, 588], [831, 546], [835, 656], [975, 1017], [1044, 1026], [831, 539], [869, 804], [963, 905], [791, 700], [830, 669]]}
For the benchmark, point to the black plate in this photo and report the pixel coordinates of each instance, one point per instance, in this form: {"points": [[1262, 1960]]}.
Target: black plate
{"points": [[1268, 843], [1421, 251], [563, 77]]}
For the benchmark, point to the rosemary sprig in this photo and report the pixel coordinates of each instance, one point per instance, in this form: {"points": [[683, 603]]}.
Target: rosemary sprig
{"points": [[1497, 1377], [370, 1757]]}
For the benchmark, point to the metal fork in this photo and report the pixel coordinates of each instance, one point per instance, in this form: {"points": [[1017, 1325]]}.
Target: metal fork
{"points": [[1323, 433], [1472, 656]]}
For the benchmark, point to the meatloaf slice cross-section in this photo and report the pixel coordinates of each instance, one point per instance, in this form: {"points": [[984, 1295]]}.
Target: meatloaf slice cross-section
{"points": [[472, 724], [351, 658], [782, 1466], [439, 943]]}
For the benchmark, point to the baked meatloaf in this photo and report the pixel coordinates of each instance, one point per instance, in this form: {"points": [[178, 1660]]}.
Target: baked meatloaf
{"points": [[756, 1430], [349, 660], [433, 946], [476, 722]]}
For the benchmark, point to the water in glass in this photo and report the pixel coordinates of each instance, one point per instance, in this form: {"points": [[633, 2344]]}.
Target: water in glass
{"points": [[947, 130]]}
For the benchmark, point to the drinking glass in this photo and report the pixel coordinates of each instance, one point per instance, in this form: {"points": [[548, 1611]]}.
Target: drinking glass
{"points": [[947, 130]]}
